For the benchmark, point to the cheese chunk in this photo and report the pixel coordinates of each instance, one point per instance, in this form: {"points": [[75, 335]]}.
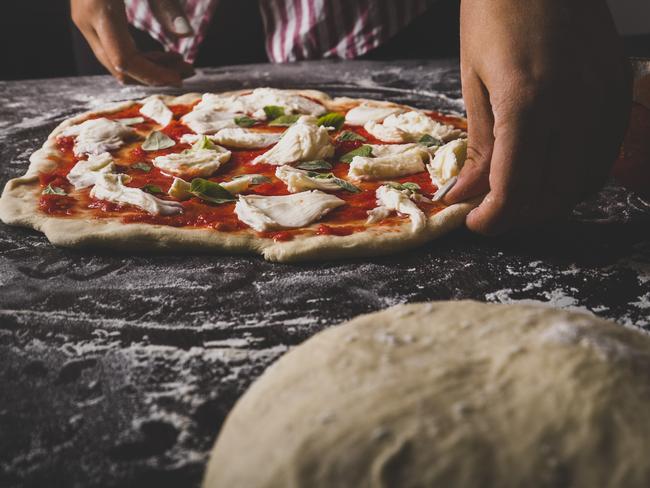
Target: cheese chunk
{"points": [[180, 189], [111, 188], [390, 199], [298, 180], [303, 141], [410, 127], [193, 162], [238, 138], [285, 212], [366, 112], [392, 162], [84, 173], [157, 111], [100, 135], [206, 121], [253, 103], [448, 161], [239, 183]]}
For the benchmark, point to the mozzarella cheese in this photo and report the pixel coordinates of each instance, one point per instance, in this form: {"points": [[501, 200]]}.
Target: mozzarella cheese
{"points": [[193, 162], [206, 121], [180, 189], [285, 212], [448, 161], [253, 103], [111, 187], [410, 127], [298, 180], [364, 113], [303, 141], [84, 173], [390, 199], [100, 135], [157, 111], [238, 138], [239, 183], [393, 161]]}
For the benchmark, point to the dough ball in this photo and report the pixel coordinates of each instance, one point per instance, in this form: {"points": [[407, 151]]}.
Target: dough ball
{"points": [[447, 394]]}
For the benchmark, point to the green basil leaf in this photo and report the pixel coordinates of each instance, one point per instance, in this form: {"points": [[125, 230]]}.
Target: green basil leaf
{"points": [[285, 120], [346, 185], [142, 167], [255, 180], [53, 190], [322, 176], [429, 141], [348, 135], [210, 191], [157, 141], [363, 151], [273, 112], [204, 142], [131, 120], [332, 119], [314, 165], [155, 189], [245, 121], [410, 186]]}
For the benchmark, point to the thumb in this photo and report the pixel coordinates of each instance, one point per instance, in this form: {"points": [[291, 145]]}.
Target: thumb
{"points": [[473, 179], [172, 17]]}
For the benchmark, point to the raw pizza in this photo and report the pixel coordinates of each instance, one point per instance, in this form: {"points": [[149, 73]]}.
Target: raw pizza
{"points": [[293, 175]]}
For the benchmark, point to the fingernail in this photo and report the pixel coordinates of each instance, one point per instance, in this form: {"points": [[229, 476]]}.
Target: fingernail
{"points": [[182, 27]]}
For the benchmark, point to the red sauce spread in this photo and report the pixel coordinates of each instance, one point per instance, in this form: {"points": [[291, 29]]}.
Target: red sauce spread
{"points": [[342, 221]]}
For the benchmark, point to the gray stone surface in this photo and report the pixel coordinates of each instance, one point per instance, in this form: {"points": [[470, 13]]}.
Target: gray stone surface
{"points": [[118, 370]]}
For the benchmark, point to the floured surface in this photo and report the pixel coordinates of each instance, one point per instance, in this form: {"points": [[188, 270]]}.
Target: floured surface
{"points": [[128, 365]]}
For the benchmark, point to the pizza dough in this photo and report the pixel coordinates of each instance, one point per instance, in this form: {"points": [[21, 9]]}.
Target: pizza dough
{"points": [[447, 394], [126, 225]]}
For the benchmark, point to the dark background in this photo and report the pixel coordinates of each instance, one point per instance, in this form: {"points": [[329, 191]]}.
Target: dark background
{"points": [[39, 41]]}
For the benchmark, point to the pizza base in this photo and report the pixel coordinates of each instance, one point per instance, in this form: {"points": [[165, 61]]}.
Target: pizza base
{"points": [[19, 206]]}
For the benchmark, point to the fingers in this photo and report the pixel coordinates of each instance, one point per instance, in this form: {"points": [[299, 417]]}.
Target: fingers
{"points": [[473, 178], [172, 17], [171, 60]]}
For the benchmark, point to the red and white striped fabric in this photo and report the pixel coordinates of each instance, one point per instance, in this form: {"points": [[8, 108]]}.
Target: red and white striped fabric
{"points": [[296, 29]]}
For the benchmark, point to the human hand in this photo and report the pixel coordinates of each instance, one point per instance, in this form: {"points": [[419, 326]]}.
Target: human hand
{"points": [[547, 92], [104, 25]]}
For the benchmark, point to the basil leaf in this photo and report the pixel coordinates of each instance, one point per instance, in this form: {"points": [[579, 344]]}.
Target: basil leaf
{"points": [[142, 167], [363, 151], [273, 112], [53, 190], [131, 120], [285, 120], [322, 176], [255, 180], [152, 189], [346, 185], [429, 141], [204, 142], [210, 191], [332, 119], [157, 141], [410, 186], [313, 165], [245, 121], [348, 135]]}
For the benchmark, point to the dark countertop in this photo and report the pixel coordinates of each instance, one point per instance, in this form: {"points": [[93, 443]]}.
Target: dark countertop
{"points": [[118, 370]]}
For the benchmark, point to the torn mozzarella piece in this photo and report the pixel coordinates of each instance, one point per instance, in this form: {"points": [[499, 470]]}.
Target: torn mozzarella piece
{"points": [[239, 183], [253, 103], [111, 187], [156, 110], [193, 162], [84, 173], [180, 189], [303, 141], [100, 135], [298, 180], [410, 127], [206, 121], [390, 199], [238, 138], [285, 212], [447, 162], [392, 162], [364, 113]]}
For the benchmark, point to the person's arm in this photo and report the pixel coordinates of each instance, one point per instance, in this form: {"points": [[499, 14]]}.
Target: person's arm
{"points": [[547, 91], [104, 25]]}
